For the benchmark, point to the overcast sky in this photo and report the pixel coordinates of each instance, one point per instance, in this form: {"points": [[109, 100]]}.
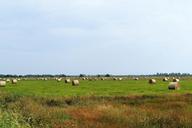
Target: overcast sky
{"points": [[95, 36]]}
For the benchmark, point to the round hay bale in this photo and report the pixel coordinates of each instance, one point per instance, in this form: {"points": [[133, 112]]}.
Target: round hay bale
{"points": [[174, 86], [152, 81], [120, 79], [176, 80], [165, 79], [102, 78], [115, 78], [45, 79], [8, 80], [2, 83], [14, 81], [75, 83], [67, 81], [59, 80], [136, 78]]}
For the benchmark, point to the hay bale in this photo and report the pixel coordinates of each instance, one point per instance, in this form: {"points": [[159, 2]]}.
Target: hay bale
{"points": [[75, 82], [120, 79], [176, 80], [14, 81], [136, 78], [67, 81], [174, 86], [152, 81], [102, 78], [115, 78], [59, 79], [165, 79], [8, 80], [45, 79], [2, 83]]}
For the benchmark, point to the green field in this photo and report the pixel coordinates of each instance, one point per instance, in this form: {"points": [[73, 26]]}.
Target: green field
{"points": [[94, 88], [95, 104]]}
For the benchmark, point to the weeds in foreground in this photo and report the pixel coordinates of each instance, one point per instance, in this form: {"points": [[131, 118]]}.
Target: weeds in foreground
{"points": [[97, 112], [12, 120]]}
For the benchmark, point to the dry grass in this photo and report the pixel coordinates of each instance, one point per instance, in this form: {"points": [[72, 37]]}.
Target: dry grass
{"points": [[103, 112]]}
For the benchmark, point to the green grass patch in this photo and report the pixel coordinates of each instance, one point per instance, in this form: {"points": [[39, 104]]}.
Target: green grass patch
{"points": [[94, 88]]}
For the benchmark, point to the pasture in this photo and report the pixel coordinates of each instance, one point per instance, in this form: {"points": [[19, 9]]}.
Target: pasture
{"points": [[94, 88], [108, 103]]}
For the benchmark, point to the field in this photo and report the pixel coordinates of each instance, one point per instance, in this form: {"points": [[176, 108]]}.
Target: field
{"points": [[96, 104], [94, 88]]}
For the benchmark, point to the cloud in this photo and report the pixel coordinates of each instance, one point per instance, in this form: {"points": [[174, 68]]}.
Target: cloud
{"points": [[89, 36]]}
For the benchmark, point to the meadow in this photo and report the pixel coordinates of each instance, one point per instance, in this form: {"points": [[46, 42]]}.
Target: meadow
{"points": [[94, 88], [96, 104]]}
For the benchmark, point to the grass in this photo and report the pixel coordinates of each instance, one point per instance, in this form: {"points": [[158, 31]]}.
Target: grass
{"points": [[102, 112], [95, 88], [12, 120], [95, 104]]}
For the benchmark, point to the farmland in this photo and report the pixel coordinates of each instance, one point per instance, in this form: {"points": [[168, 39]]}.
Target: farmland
{"points": [[95, 88], [107, 103]]}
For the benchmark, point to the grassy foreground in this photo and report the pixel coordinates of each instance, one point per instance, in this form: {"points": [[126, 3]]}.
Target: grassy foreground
{"points": [[95, 104], [168, 111]]}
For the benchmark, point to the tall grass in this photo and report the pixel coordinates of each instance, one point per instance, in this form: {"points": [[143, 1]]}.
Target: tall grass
{"points": [[144, 111], [12, 120]]}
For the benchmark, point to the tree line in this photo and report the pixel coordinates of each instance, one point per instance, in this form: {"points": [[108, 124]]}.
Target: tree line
{"points": [[99, 75]]}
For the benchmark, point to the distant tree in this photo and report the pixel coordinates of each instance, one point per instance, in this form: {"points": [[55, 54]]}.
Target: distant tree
{"points": [[82, 75], [107, 75], [62, 75]]}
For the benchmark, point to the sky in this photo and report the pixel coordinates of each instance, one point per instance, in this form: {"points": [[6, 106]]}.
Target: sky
{"points": [[95, 36]]}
